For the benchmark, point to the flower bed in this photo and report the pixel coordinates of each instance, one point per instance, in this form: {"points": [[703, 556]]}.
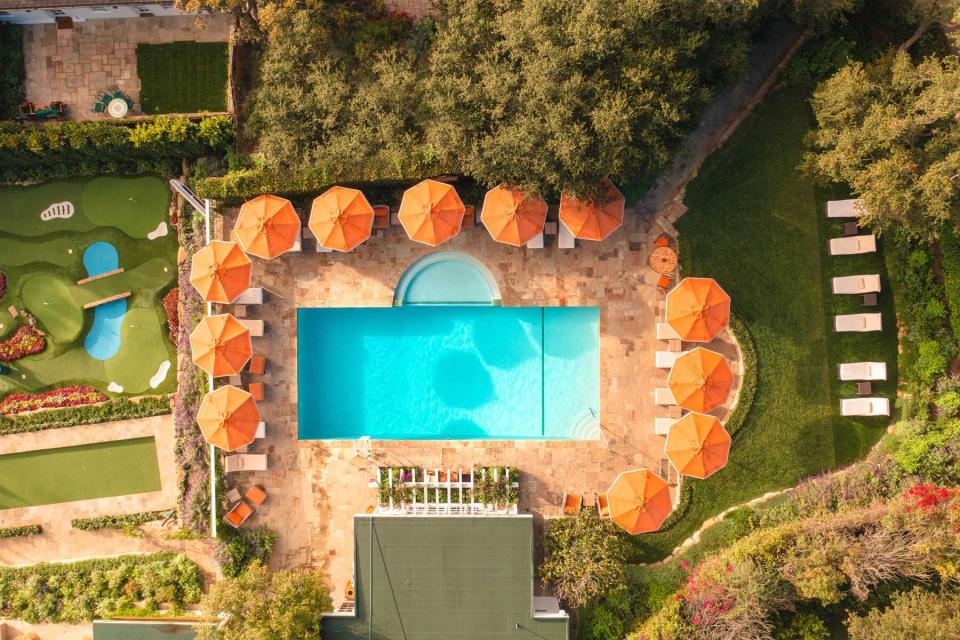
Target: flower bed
{"points": [[430, 491], [116, 409], [171, 307], [26, 341], [124, 521], [72, 396], [3, 284]]}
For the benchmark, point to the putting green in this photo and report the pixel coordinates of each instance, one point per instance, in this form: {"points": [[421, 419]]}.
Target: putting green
{"points": [[49, 299], [85, 472], [137, 206], [22, 206], [146, 280], [142, 351], [16, 253]]}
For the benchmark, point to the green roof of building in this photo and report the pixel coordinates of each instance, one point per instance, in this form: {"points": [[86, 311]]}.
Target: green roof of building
{"points": [[142, 630], [443, 577]]}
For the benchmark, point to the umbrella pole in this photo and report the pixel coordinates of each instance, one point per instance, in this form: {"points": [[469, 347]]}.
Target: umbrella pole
{"points": [[213, 452]]}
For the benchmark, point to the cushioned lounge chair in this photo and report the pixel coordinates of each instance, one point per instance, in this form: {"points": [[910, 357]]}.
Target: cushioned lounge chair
{"points": [[845, 208], [855, 285], [858, 322], [253, 295], [603, 509], [572, 503], [665, 359], [565, 239], [238, 515], [863, 371], [663, 397], [661, 426], [256, 495], [853, 245], [865, 406], [666, 332], [256, 327], [245, 462]]}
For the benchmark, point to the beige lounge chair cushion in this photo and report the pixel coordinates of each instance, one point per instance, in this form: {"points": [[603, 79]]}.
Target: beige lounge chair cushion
{"points": [[853, 245], [857, 284], [663, 396], [859, 322], [863, 371], [845, 208], [661, 426], [666, 332], [865, 407]]}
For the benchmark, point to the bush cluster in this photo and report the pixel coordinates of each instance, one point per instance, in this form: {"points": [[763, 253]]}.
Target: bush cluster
{"points": [[72, 396], [3, 284], [26, 341], [82, 591], [117, 409], [72, 148], [20, 532], [237, 549], [12, 72], [171, 308], [122, 521]]}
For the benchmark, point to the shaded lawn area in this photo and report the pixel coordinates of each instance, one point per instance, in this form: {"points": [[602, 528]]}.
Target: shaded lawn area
{"points": [[182, 77], [756, 224], [85, 472]]}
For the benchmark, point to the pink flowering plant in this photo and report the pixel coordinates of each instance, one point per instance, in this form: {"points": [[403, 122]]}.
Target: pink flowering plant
{"points": [[26, 341], [72, 396]]}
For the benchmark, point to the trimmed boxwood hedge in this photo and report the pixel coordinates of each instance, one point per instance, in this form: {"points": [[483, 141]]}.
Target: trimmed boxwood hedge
{"points": [[116, 409], [20, 532], [121, 521]]}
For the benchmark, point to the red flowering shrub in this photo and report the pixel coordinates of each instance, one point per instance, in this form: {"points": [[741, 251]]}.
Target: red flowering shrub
{"points": [[26, 341], [926, 496], [171, 307], [72, 396], [3, 284]]}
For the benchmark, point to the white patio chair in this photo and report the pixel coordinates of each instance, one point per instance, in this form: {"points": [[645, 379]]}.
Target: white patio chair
{"points": [[858, 322], [865, 406], [853, 245], [863, 371], [854, 285]]}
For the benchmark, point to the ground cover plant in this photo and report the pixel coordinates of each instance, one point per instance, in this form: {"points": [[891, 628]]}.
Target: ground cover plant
{"points": [[11, 69], [44, 259], [113, 409], [82, 591], [84, 472], [182, 77], [123, 521]]}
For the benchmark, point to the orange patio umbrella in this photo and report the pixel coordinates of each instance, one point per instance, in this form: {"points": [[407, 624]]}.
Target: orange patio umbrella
{"points": [[431, 212], [267, 226], [228, 418], [221, 345], [220, 271], [698, 445], [698, 309], [511, 216], [639, 501], [593, 219], [700, 380], [341, 218]]}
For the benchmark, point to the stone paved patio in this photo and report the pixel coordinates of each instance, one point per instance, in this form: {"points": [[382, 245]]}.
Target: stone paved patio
{"points": [[74, 65], [316, 487]]}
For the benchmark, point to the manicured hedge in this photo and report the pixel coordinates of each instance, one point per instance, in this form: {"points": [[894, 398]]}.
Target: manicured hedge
{"points": [[950, 248], [12, 71], [75, 148], [121, 521], [20, 532], [117, 409], [82, 591]]}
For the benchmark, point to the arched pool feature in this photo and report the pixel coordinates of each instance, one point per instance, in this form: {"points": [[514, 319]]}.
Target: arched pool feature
{"points": [[447, 277]]}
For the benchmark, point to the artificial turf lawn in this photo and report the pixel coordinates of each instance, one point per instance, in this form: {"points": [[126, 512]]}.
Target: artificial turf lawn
{"points": [[756, 224], [182, 77], [85, 472], [44, 260]]}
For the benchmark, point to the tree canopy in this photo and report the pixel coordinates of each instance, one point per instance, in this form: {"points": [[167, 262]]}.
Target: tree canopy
{"points": [[891, 130]]}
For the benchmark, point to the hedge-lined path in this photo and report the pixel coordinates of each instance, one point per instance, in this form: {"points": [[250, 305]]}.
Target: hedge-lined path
{"points": [[53, 516]]}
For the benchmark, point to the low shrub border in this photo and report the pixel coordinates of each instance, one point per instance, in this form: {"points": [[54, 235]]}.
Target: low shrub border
{"points": [[82, 591], [117, 409], [21, 532], [121, 521], [73, 396]]}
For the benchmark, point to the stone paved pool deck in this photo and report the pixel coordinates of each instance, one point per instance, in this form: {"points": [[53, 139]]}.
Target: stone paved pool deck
{"points": [[316, 487]]}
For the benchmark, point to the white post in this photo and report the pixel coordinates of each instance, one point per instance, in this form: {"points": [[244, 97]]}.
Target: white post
{"points": [[213, 451]]}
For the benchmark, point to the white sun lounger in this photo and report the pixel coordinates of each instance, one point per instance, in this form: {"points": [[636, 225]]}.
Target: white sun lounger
{"points": [[297, 243], [854, 285], [661, 426], [255, 326], [308, 234], [261, 430], [665, 359], [845, 208], [664, 397], [565, 239], [245, 462], [253, 295], [853, 245], [536, 242], [858, 322], [666, 332], [865, 406], [863, 371]]}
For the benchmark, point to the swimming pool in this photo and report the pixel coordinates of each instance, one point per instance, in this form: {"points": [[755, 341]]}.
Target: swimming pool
{"points": [[448, 372], [103, 340]]}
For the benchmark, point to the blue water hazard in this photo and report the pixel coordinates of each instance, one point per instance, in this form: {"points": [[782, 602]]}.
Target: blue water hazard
{"points": [[103, 340]]}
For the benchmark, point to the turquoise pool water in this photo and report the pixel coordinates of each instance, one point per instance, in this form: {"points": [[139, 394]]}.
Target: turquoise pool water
{"points": [[103, 340], [448, 372]]}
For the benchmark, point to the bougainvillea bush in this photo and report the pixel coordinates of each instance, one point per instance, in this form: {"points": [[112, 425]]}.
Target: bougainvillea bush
{"points": [[72, 396], [26, 341], [171, 307]]}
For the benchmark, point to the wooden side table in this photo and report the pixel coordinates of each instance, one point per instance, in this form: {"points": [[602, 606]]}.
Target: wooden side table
{"points": [[869, 299], [864, 388]]}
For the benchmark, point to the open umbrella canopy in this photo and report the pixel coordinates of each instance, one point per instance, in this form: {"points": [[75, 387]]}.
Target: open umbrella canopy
{"points": [[698, 309], [341, 218], [228, 418], [698, 445], [221, 345], [431, 212], [593, 219], [220, 271], [700, 380], [267, 226], [639, 501], [511, 216]]}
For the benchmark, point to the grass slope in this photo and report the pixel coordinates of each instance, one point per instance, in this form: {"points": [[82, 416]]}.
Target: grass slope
{"points": [[100, 470], [754, 223], [182, 77]]}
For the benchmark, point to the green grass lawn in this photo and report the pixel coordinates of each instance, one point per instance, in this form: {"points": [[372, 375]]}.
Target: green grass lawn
{"points": [[43, 261], [182, 77], [757, 225], [101, 470]]}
